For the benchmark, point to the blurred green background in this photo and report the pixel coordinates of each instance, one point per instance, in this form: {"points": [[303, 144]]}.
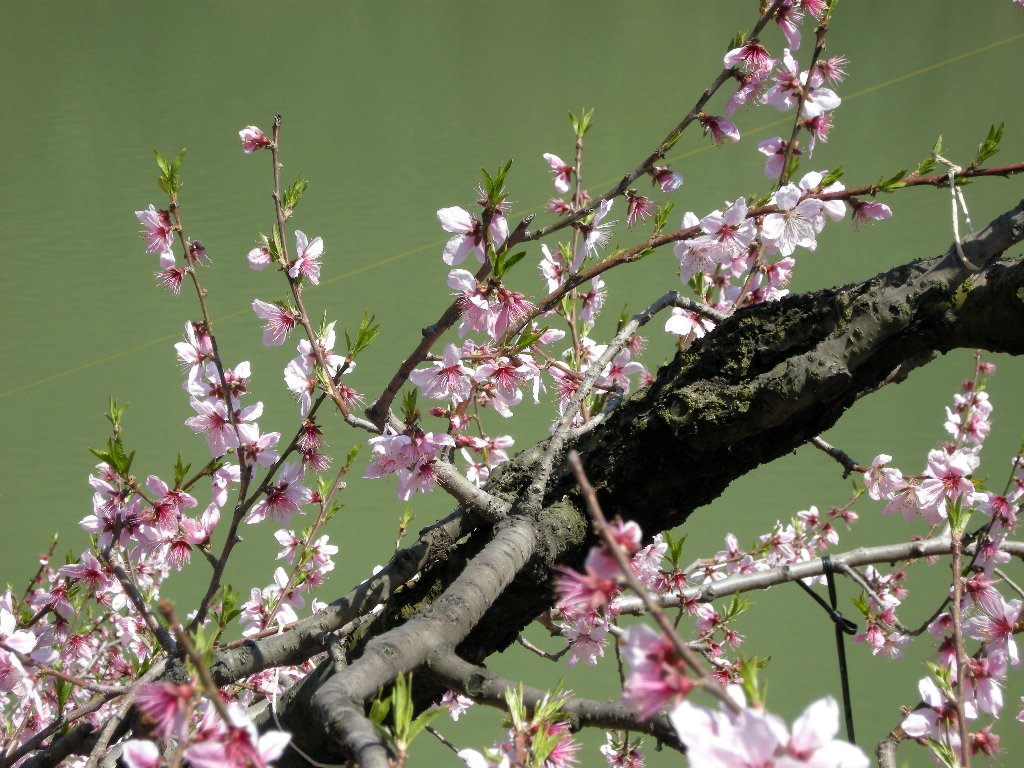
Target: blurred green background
{"points": [[390, 109]]}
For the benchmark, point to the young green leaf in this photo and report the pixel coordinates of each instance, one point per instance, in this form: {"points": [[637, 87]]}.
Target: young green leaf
{"points": [[293, 194], [989, 146], [833, 176], [365, 335], [894, 182], [410, 414], [927, 165]]}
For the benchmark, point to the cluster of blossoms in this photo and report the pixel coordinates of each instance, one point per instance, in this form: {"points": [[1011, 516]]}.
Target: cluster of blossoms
{"points": [[589, 603], [213, 743], [942, 493], [311, 561]]}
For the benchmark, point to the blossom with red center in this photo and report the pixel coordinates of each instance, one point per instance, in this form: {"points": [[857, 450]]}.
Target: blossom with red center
{"points": [[511, 310], [795, 223], [213, 422], [237, 745], [732, 231], [663, 176], [447, 379], [752, 85], [581, 593], [167, 706], [833, 69], [657, 676], [158, 229], [283, 499], [562, 171], [720, 129], [279, 322], [252, 139], [752, 56], [789, 17], [468, 234], [307, 259], [996, 627], [89, 571], [170, 277], [945, 480], [638, 208], [869, 211]]}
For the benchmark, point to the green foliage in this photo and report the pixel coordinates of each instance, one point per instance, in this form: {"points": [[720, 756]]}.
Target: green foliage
{"points": [[292, 195], [404, 727], [675, 548], [365, 335], [494, 186], [755, 691], [661, 213], [410, 414], [736, 607], [527, 338], [115, 456], [227, 609], [927, 165], [180, 470], [169, 179], [581, 124], [502, 262], [989, 146], [893, 182], [833, 176], [791, 166]]}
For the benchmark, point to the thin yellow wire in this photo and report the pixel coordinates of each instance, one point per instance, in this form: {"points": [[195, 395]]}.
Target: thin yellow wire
{"points": [[406, 254]]}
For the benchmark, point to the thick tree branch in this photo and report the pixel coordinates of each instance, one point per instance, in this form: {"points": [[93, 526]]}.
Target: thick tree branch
{"points": [[760, 385]]}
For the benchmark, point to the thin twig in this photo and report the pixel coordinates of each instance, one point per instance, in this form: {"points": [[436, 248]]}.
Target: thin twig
{"points": [[682, 650], [848, 464]]}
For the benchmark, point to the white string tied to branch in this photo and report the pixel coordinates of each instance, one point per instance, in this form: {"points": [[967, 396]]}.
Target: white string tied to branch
{"points": [[956, 197]]}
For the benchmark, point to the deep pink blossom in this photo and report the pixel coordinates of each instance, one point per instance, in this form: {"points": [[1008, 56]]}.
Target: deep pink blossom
{"points": [[166, 706], [170, 276], [663, 176], [638, 208], [284, 498], [252, 139], [870, 211], [752, 56], [238, 745], [721, 130]]}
